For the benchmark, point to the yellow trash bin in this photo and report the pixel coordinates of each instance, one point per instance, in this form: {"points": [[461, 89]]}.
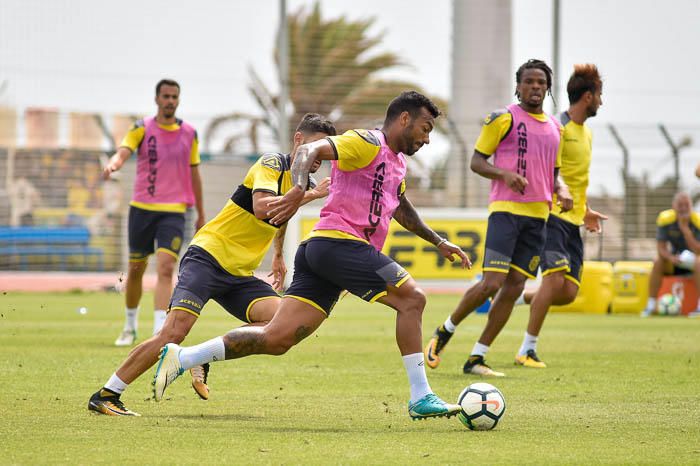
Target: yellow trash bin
{"points": [[630, 286], [595, 294]]}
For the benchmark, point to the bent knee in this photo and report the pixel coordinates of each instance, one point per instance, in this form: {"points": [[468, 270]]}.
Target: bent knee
{"points": [[279, 347], [569, 294], [172, 335], [166, 270], [417, 298], [279, 342], [136, 268], [490, 287], [412, 300], [513, 290]]}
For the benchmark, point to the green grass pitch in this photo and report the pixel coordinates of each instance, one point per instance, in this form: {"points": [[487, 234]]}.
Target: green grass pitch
{"points": [[618, 390]]}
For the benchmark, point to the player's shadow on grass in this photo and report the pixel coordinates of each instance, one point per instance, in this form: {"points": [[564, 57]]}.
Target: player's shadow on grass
{"points": [[335, 430], [512, 374], [397, 426], [210, 417]]}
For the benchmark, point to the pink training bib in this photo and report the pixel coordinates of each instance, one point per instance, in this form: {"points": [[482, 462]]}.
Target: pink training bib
{"points": [[163, 172], [530, 150], [362, 202]]}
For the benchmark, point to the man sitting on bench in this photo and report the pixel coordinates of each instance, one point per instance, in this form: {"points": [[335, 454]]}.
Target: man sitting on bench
{"points": [[678, 246]]}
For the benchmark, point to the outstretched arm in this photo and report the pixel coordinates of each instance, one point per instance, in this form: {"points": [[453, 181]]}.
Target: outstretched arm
{"points": [[116, 161], [592, 220], [408, 218]]}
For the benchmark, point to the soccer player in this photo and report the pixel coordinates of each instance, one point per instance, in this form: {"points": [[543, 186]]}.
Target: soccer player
{"points": [[219, 265], [343, 251], [677, 246], [562, 262], [167, 182], [525, 144]]}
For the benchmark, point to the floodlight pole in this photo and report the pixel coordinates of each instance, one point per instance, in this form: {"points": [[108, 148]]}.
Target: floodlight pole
{"points": [[556, 39], [294, 224], [283, 51]]}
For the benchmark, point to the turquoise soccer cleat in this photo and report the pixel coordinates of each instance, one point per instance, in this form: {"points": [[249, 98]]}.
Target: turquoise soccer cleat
{"points": [[168, 369], [432, 406]]}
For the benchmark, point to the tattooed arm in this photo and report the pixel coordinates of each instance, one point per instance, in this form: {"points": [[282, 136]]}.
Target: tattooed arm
{"points": [[408, 218], [282, 209]]}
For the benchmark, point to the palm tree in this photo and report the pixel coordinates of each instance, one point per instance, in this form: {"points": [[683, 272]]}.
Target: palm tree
{"points": [[332, 71]]}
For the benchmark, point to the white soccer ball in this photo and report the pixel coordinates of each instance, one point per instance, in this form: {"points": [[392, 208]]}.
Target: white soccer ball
{"points": [[482, 405], [669, 305]]}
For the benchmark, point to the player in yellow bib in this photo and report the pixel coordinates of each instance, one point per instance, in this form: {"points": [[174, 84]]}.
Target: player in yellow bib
{"points": [[219, 266], [562, 263]]}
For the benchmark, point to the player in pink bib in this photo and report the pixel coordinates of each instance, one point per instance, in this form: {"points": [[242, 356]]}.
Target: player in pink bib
{"points": [[525, 145], [344, 251], [167, 182]]}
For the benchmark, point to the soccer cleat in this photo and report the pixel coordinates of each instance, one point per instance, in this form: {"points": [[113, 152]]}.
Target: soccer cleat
{"points": [[529, 359], [107, 402], [435, 346], [168, 369], [126, 338], [199, 380], [432, 406], [647, 312], [477, 366]]}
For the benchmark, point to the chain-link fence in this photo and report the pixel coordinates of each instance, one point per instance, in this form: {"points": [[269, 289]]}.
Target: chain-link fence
{"points": [[58, 214]]}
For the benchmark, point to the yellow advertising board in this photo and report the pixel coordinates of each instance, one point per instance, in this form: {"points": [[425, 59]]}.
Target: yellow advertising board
{"points": [[467, 229]]}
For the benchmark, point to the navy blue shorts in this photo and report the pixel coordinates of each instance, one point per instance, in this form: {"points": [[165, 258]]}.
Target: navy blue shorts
{"points": [[672, 269], [324, 267], [563, 249], [148, 227], [201, 278], [514, 241]]}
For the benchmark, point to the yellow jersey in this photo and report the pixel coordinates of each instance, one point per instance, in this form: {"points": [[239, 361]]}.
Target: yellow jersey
{"points": [[235, 237], [577, 142]]}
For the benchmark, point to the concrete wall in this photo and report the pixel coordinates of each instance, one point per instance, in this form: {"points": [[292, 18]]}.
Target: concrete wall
{"points": [[482, 81]]}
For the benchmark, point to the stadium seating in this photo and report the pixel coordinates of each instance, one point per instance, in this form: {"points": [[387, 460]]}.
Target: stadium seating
{"points": [[18, 244]]}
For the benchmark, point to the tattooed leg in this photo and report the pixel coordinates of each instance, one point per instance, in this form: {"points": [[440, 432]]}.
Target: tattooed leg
{"points": [[294, 321]]}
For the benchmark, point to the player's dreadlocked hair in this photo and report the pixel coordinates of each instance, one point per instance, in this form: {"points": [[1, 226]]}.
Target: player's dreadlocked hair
{"points": [[585, 78], [534, 64]]}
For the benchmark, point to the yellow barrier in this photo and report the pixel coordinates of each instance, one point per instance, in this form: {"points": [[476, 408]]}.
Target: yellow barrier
{"points": [[595, 294], [421, 259], [630, 286]]}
